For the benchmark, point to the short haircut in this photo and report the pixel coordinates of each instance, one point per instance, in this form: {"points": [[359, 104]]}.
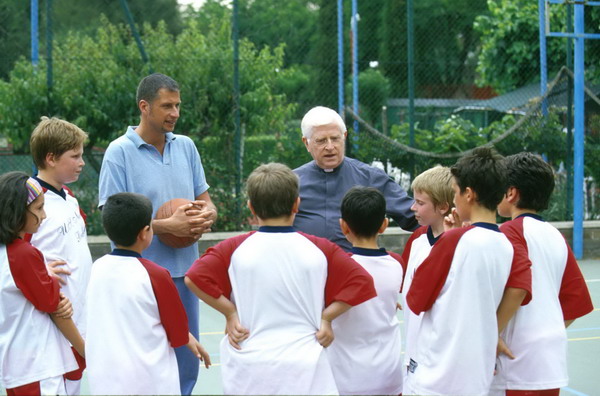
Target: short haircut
{"points": [[484, 171], [318, 116], [56, 136], [13, 205], [124, 215], [436, 182], [363, 209], [272, 190], [148, 88], [534, 179]]}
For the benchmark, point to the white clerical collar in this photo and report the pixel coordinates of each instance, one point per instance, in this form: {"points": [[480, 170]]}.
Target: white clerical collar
{"points": [[328, 170]]}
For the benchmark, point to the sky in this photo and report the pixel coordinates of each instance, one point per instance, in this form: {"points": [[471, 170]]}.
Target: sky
{"points": [[195, 3]]}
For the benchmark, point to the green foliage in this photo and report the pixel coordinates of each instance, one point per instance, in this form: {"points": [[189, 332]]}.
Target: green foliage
{"points": [[374, 90]]}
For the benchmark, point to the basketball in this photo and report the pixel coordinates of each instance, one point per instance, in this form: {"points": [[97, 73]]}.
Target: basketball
{"points": [[165, 211]]}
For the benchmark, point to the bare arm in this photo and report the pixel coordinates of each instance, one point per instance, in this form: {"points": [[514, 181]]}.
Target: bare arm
{"points": [[510, 303], [235, 331], [325, 334], [569, 322], [69, 330]]}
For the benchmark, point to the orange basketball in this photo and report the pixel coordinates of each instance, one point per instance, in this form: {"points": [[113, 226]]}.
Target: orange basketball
{"points": [[165, 211]]}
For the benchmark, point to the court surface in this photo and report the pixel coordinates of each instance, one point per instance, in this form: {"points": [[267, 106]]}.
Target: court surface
{"points": [[584, 345]]}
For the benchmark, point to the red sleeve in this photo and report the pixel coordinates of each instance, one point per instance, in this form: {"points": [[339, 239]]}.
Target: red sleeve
{"points": [[81, 212], [210, 272], [520, 270], [574, 295], [30, 274], [402, 262], [347, 281], [430, 276], [170, 308], [417, 233]]}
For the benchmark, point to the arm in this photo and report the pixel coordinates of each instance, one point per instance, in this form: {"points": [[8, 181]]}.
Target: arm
{"points": [[198, 350], [510, 303], [68, 329], [325, 334], [398, 202], [234, 329]]}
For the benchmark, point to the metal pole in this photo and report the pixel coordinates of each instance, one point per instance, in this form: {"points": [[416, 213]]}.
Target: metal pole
{"points": [[568, 160], [543, 56], [340, 22], [35, 18], [578, 154], [136, 34], [355, 17], [411, 79], [237, 117], [49, 71]]}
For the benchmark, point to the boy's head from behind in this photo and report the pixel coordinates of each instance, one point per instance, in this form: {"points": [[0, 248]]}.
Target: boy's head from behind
{"points": [[433, 195], [272, 191], [480, 174], [54, 136], [533, 178], [363, 210], [124, 215]]}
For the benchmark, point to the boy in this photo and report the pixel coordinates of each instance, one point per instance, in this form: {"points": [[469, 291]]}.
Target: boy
{"points": [[366, 356], [279, 290], [459, 287], [138, 318], [57, 151], [433, 195], [536, 335]]}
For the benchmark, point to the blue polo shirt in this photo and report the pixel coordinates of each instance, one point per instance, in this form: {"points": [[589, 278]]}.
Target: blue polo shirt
{"points": [[132, 165]]}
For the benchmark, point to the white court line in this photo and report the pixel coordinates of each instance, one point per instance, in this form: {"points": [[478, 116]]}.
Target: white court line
{"points": [[592, 280]]}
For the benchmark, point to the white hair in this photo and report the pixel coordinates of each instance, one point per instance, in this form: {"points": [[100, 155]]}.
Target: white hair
{"points": [[318, 116]]}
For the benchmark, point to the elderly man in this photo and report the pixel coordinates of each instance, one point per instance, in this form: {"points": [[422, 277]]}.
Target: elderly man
{"points": [[325, 180]]}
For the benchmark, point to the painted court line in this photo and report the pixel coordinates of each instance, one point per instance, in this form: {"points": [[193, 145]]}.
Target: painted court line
{"points": [[592, 280], [573, 391]]}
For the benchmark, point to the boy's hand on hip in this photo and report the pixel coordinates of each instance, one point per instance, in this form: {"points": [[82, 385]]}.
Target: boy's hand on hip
{"points": [[325, 334], [235, 331]]}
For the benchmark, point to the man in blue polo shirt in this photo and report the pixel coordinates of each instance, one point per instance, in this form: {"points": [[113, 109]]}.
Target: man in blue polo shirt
{"points": [[325, 180], [150, 160]]}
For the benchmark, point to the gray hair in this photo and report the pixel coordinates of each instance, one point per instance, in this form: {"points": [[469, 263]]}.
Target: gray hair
{"points": [[318, 116]]}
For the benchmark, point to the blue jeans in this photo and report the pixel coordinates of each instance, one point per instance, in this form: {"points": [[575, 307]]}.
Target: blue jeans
{"points": [[189, 364]]}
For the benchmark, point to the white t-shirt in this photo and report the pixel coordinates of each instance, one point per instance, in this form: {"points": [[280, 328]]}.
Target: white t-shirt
{"points": [[366, 355], [135, 320], [459, 287], [536, 335], [31, 346], [280, 281]]}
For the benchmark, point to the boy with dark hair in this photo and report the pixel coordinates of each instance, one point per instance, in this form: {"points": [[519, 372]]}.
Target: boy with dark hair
{"points": [[366, 356], [459, 287], [279, 290], [57, 151], [536, 337], [137, 313]]}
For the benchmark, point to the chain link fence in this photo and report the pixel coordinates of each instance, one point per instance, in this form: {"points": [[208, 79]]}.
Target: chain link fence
{"points": [[476, 74]]}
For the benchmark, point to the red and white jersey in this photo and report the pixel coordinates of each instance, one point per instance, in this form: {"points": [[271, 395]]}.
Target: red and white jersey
{"points": [[62, 236], [280, 281], [415, 252], [31, 346], [136, 319], [366, 355], [459, 287], [536, 334]]}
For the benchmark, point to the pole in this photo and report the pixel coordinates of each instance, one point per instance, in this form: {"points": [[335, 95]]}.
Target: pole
{"points": [[411, 79], [49, 39], [237, 117], [355, 68], [136, 34], [568, 161], [35, 19], [543, 56], [340, 22], [578, 154]]}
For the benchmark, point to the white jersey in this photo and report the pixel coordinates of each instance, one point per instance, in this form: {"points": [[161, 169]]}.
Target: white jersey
{"points": [[280, 282], [136, 319], [31, 346], [415, 252], [459, 287], [366, 355], [62, 236], [536, 335]]}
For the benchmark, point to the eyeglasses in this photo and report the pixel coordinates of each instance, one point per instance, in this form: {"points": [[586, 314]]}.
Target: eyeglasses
{"points": [[322, 142]]}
